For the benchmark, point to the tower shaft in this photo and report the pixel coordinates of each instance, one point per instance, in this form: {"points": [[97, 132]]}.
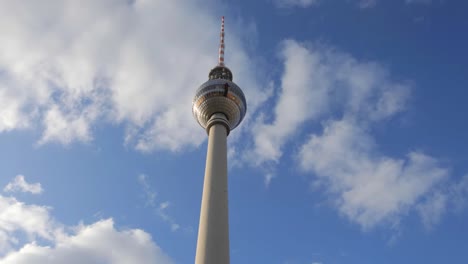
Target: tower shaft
{"points": [[213, 231]]}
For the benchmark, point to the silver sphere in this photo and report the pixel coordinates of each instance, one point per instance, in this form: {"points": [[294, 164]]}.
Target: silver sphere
{"points": [[219, 96]]}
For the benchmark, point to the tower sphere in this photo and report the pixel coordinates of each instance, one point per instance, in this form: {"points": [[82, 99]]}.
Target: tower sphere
{"points": [[219, 95]]}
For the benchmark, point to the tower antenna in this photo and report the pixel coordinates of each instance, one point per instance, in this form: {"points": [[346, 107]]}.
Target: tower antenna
{"points": [[221, 44]]}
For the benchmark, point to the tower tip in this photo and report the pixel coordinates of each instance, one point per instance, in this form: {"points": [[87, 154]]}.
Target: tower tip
{"points": [[221, 44]]}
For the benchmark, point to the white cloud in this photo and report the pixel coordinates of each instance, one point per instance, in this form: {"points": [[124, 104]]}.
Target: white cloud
{"points": [[48, 241], [317, 81], [20, 184], [366, 186], [347, 98], [302, 88], [69, 67], [295, 3], [10, 113], [96, 243], [33, 220]]}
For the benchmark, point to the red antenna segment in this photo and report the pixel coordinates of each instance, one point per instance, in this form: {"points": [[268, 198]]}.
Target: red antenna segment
{"points": [[221, 44]]}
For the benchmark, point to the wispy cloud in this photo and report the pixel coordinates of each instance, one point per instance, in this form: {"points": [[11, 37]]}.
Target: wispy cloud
{"points": [[150, 194], [367, 3], [159, 207], [295, 3], [458, 193], [163, 214], [432, 209], [418, 2], [19, 184], [309, 3], [453, 197]]}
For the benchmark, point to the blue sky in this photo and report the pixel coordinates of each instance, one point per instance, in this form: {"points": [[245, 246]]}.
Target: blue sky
{"points": [[353, 149]]}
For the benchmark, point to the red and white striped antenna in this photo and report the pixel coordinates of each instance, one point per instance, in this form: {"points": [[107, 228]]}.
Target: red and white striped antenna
{"points": [[221, 44]]}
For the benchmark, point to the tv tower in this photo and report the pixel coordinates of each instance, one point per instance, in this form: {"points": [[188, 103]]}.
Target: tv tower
{"points": [[219, 106]]}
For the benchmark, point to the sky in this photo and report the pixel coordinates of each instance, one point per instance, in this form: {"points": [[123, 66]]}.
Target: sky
{"points": [[353, 149]]}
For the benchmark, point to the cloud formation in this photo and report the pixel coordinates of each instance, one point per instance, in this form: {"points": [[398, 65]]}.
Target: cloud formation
{"points": [[317, 82], [29, 234], [32, 220], [159, 207], [366, 186], [367, 3], [67, 68], [329, 102], [19, 184], [295, 3], [418, 2]]}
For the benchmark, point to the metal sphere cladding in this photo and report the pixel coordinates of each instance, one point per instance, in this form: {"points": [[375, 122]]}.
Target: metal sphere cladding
{"points": [[219, 95]]}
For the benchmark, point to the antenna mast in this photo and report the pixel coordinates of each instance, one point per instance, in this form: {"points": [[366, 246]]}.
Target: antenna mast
{"points": [[221, 44]]}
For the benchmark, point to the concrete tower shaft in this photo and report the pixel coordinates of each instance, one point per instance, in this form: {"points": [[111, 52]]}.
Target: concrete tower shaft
{"points": [[213, 230]]}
